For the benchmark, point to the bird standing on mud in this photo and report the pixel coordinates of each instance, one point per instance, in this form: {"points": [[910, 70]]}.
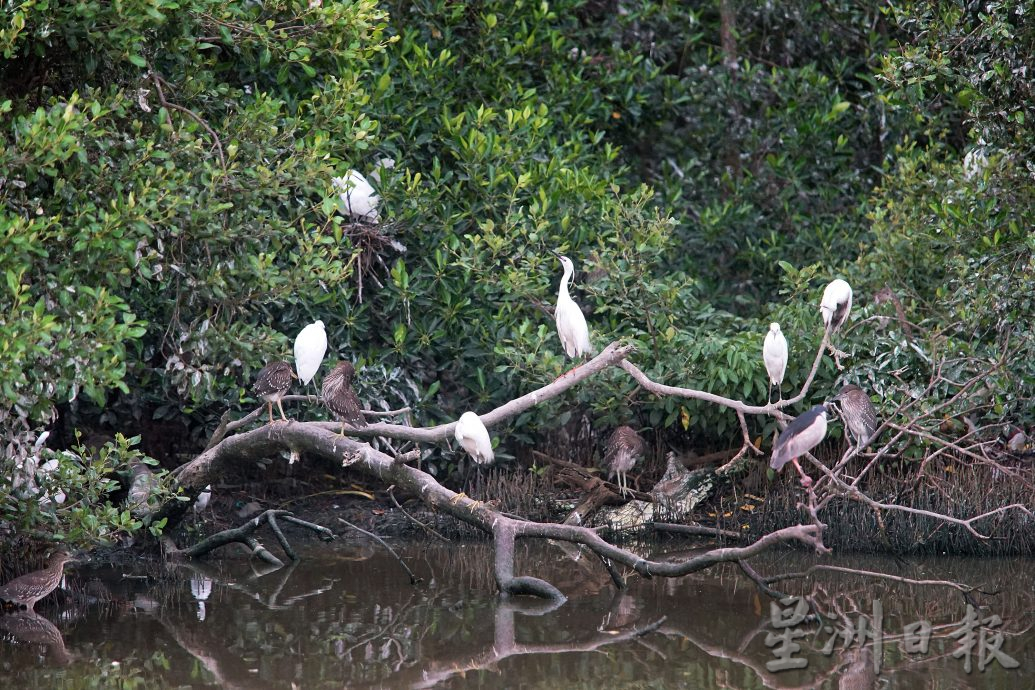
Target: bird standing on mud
{"points": [[25, 591], [272, 383], [774, 355], [571, 323], [339, 397], [858, 413], [802, 435], [624, 448]]}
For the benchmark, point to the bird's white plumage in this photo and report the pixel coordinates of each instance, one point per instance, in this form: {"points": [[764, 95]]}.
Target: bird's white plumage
{"points": [[774, 354], [310, 347], [474, 437], [203, 498], [358, 196], [800, 436], [571, 323], [836, 303]]}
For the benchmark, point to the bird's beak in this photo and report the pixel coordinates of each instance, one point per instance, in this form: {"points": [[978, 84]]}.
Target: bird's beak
{"points": [[554, 252]]}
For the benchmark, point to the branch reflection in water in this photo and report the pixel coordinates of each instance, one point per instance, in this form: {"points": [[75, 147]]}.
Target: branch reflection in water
{"points": [[350, 617]]}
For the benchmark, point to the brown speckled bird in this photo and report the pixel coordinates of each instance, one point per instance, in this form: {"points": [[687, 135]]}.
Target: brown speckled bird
{"points": [[339, 397], [624, 448], [25, 591], [858, 413], [272, 383]]}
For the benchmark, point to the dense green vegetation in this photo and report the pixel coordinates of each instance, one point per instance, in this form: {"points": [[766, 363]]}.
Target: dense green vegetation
{"points": [[168, 221]]}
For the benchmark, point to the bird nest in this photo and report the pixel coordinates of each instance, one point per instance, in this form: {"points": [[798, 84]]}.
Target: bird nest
{"points": [[373, 242]]}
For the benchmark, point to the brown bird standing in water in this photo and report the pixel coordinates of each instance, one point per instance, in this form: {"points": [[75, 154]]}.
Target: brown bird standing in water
{"points": [[25, 591], [339, 398], [272, 383], [624, 448], [858, 413]]}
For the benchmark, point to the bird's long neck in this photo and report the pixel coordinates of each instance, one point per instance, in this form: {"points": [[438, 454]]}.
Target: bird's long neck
{"points": [[562, 291]]}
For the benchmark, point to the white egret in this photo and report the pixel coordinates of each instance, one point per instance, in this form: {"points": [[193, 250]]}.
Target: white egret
{"points": [[203, 498], [802, 435], [358, 195], [571, 324], [272, 383], [339, 397], [836, 303], [471, 433], [624, 448], [310, 347], [774, 355]]}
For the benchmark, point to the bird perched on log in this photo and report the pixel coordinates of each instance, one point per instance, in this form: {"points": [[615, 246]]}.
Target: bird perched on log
{"points": [[471, 433], [340, 399], [272, 383], [310, 347], [25, 591], [802, 435], [571, 323], [834, 307], [860, 418], [774, 355], [624, 448]]}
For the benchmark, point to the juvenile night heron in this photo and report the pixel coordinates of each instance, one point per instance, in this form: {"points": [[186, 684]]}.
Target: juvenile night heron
{"points": [[471, 433], [571, 323], [802, 435], [624, 448], [310, 346], [339, 398], [774, 354], [858, 413], [272, 383], [25, 591]]}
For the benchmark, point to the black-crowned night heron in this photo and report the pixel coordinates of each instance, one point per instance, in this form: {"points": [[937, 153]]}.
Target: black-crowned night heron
{"points": [[836, 303], [25, 591], [571, 324], [860, 418], [471, 433], [339, 397], [310, 346], [774, 354], [624, 448], [272, 383], [802, 435]]}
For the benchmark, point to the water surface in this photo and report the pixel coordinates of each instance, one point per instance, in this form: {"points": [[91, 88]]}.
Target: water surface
{"points": [[347, 616]]}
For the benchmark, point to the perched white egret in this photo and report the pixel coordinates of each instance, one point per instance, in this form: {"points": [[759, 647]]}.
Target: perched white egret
{"points": [[310, 347], [474, 437], [203, 498], [358, 195], [774, 354], [802, 435], [624, 448], [571, 324], [836, 303], [382, 165]]}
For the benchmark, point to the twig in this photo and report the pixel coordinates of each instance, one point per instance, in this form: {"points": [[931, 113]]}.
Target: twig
{"points": [[157, 81], [413, 519], [413, 578]]}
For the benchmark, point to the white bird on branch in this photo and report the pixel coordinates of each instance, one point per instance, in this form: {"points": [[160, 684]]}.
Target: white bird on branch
{"points": [[774, 355], [571, 323], [310, 347], [834, 307], [471, 433], [361, 202]]}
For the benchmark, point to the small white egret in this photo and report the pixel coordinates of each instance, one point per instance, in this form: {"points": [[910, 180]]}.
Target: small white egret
{"points": [[471, 433], [571, 324], [774, 355], [272, 383], [340, 399], [310, 347], [624, 448], [358, 195], [802, 435], [203, 498], [836, 303]]}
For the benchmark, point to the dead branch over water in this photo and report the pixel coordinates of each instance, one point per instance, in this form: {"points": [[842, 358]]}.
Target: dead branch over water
{"points": [[321, 439]]}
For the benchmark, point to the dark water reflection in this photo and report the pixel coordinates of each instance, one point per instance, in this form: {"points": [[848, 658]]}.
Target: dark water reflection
{"points": [[351, 619]]}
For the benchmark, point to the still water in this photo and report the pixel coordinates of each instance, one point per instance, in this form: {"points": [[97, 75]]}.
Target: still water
{"points": [[349, 618]]}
